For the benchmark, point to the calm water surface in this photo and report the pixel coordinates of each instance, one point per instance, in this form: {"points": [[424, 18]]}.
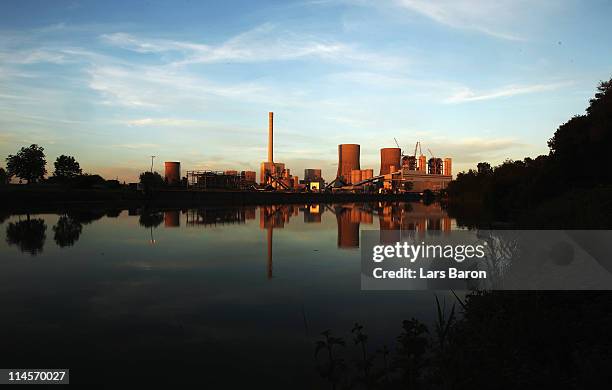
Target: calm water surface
{"points": [[230, 294]]}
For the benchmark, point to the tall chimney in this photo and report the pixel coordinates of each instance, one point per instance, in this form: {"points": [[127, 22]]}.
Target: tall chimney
{"points": [[270, 136]]}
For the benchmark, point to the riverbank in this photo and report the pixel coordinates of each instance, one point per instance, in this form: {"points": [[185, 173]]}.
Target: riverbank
{"points": [[13, 196], [576, 208]]}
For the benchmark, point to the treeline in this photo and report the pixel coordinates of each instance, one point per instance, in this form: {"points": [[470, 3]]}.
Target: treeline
{"points": [[574, 179], [29, 165]]}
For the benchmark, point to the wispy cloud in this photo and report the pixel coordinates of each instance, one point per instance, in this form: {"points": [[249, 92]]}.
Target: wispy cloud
{"points": [[467, 95], [264, 43], [157, 86], [174, 122], [487, 17], [137, 146]]}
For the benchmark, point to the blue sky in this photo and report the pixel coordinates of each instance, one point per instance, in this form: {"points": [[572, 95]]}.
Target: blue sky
{"points": [[114, 82]]}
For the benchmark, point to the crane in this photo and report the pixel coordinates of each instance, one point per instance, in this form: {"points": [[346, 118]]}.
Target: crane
{"points": [[429, 150], [417, 146]]}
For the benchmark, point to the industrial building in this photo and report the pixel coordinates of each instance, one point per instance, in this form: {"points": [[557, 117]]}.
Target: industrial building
{"points": [[398, 173], [275, 174], [313, 181]]}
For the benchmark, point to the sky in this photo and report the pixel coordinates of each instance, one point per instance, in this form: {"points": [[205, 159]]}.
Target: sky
{"points": [[115, 82]]}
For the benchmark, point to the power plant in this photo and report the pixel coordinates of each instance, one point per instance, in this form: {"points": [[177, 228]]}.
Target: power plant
{"points": [[272, 174], [398, 173]]}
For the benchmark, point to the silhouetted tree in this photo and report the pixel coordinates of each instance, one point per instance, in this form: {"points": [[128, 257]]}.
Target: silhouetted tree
{"points": [[579, 148], [151, 180], [150, 219], [28, 164], [66, 167], [484, 168], [67, 231], [28, 235], [4, 176], [572, 176]]}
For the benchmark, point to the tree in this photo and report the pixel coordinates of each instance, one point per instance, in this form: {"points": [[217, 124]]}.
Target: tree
{"points": [[4, 176], [67, 231], [28, 164], [484, 168], [29, 235], [151, 180], [66, 167]]}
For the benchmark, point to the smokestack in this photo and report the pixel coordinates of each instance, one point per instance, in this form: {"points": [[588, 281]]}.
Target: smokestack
{"points": [[270, 137]]}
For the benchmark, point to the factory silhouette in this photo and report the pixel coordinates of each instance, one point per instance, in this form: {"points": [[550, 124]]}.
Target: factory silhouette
{"points": [[399, 173]]}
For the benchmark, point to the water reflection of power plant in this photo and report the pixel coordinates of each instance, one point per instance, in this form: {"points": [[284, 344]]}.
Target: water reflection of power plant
{"points": [[396, 220], [416, 217]]}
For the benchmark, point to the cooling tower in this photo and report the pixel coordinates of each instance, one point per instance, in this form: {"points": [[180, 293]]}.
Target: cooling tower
{"points": [[172, 172], [348, 160], [348, 232], [389, 157]]}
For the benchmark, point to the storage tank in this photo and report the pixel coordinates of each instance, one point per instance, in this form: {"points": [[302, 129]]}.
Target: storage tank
{"points": [[367, 174], [389, 157], [348, 159], [355, 176], [172, 172], [422, 166], [448, 166]]}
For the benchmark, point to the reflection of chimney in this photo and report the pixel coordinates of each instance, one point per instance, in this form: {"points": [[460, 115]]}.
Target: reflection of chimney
{"points": [[270, 136], [269, 252]]}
